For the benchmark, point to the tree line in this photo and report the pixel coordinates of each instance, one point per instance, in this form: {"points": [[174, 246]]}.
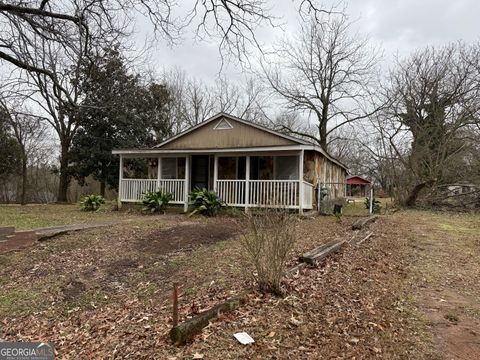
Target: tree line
{"points": [[73, 78]]}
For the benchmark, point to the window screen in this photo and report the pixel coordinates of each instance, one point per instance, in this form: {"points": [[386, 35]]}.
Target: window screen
{"points": [[286, 167], [169, 168]]}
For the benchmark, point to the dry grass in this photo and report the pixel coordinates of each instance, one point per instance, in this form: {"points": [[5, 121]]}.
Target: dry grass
{"points": [[46, 215]]}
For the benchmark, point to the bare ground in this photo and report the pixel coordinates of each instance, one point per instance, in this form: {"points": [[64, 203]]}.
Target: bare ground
{"points": [[409, 292]]}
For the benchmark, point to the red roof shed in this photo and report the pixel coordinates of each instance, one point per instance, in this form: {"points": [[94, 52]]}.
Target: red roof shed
{"points": [[357, 180]]}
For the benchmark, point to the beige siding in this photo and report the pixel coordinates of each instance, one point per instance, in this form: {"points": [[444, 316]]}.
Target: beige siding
{"points": [[241, 136]]}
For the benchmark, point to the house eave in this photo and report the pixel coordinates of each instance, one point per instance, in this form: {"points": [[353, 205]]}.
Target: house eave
{"points": [[151, 152]]}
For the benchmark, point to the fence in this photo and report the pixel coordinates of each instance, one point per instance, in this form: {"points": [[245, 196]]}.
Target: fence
{"points": [[335, 193]]}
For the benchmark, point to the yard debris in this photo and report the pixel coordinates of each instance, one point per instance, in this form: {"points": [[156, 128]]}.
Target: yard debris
{"points": [[313, 256], [243, 338], [370, 234], [351, 296], [185, 331], [361, 223]]}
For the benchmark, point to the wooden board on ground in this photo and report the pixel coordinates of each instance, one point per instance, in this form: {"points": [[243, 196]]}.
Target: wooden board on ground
{"points": [[361, 223], [6, 231], [321, 252], [185, 331]]}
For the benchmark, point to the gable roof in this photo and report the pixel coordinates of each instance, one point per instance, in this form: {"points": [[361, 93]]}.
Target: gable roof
{"points": [[292, 143], [357, 180], [234, 118]]}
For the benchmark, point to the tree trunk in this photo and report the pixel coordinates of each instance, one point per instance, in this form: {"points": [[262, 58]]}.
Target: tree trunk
{"points": [[64, 180], [23, 195], [323, 135], [413, 196], [102, 188]]}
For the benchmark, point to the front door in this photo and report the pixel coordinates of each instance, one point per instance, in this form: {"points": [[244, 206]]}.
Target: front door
{"points": [[199, 172]]}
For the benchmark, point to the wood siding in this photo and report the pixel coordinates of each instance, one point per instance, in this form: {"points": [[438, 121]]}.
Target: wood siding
{"points": [[240, 136], [317, 168]]}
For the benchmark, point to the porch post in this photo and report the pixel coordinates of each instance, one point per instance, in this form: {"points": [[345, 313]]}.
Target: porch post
{"points": [[187, 183], [300, 182], [215, 172], [159, 172], [120, 187], [247, 183]]}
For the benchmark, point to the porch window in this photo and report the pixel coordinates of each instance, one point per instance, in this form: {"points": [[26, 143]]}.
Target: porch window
{"points": [[286, 167], [169, 168], [227, 168]]}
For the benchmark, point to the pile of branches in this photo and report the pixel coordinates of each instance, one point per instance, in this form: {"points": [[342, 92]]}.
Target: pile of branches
{"points": [[445, 197]]}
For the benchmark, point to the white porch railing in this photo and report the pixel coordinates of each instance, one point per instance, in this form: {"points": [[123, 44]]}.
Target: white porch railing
{"points": [[132, 190], [231, 191], [268, 193], [274, 193]]}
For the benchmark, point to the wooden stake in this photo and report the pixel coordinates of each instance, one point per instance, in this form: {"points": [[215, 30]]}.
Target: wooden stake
{"points": [[175, 305]]}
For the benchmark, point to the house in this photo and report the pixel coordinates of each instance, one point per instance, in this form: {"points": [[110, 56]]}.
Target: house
{"points": [[357, 186], [246, 164]]}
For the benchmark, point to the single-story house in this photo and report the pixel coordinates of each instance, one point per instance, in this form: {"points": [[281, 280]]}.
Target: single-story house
{"points": [[357, 186], [246, 164]]}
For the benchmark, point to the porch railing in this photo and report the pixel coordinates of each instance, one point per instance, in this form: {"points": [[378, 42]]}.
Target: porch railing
{"points": [[132, 190], [268, 193], [231, 191]]}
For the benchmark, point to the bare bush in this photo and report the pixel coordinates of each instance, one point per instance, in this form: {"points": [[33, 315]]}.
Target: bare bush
{"points": [[269, 239]]}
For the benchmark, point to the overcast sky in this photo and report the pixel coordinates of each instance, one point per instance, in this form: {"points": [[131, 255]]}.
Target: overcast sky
{"points": [[397, 26]]}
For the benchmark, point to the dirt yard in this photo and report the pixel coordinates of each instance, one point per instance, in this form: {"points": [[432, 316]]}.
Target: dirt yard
{"points": [[409, 292]]}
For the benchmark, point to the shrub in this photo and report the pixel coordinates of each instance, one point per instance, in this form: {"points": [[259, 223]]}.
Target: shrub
{"points": [[269, 239], [92, 202], [376, 205], [205, 202], [156, 201]]}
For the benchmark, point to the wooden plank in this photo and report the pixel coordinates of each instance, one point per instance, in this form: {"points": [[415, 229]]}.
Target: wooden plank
{"points": [[361, 223], [185, 331], [6, 231], [321, 252]]}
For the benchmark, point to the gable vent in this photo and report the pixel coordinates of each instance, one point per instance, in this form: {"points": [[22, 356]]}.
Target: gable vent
{"points": [[223, 125]]}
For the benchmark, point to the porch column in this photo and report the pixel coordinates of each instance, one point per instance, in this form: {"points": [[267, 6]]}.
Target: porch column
{"points": [[247, 183], [120, 187], [300, 182], [187, 183], [215, 172], [159, 172]]}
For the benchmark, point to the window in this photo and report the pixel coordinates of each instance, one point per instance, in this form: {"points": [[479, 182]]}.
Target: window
{"points": [[169, 168], [286, 168], [223, 125]]}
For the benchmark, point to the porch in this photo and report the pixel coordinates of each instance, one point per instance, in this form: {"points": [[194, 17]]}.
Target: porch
{"points": [[241, 180]]}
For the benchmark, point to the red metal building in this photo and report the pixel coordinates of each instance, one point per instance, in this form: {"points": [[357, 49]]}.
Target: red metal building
{"points": [[357, 186]]}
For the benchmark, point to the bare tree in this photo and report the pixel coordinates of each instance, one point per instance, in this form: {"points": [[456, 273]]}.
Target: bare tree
{"points": [[194, 101], [435, 105], [326, 73], [64, 22], [30, 133]]}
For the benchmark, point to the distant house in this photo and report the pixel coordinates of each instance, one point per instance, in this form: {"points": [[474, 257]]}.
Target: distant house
{"points": [[357, 186], [246, 164]]}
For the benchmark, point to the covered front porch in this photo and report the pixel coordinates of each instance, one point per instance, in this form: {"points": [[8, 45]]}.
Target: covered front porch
{"points": [[241, 179]]}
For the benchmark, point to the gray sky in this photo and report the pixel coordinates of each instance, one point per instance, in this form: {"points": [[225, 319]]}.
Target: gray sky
{"points": [[397, 26]]}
